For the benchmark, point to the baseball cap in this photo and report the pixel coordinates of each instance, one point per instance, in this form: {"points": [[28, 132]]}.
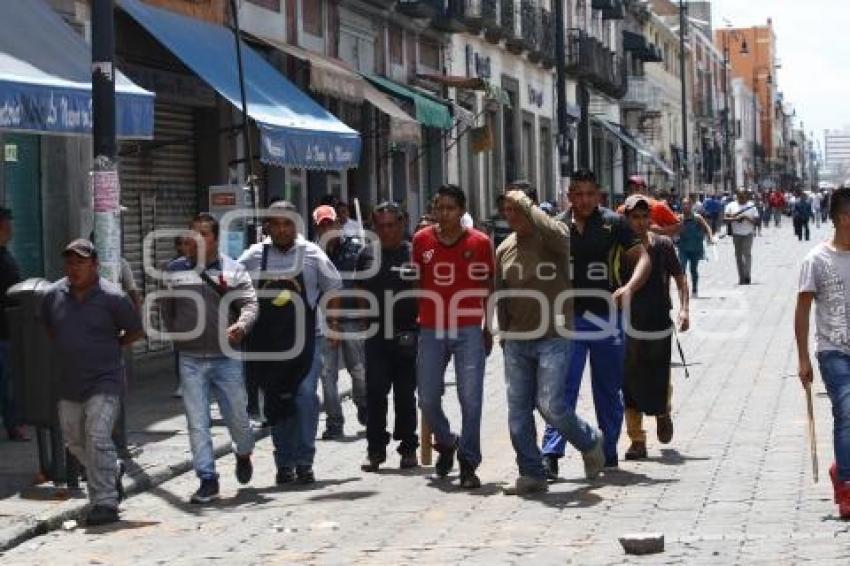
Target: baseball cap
{"points": [[637, 180], [81, 247], [324, 213], [634, 201]]}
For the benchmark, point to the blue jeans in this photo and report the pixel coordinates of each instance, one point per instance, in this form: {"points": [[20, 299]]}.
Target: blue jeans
{"points": [[691, 258], [536, 376], [223, 377], [835, 370], [353, 354], [607, 357], [467, 347], [294, 436], [7, 406]]}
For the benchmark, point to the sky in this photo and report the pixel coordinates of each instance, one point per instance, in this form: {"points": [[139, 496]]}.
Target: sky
{"points": [[813, 46]]}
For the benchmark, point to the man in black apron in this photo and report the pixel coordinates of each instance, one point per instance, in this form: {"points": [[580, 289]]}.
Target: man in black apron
{"points": [[291, 274]]}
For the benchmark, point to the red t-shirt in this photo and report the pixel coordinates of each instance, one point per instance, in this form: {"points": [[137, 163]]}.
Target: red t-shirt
{"points": [[467, 265]]}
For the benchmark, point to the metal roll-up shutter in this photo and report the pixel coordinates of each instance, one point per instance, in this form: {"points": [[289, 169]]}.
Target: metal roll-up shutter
{"points": [[159, 190]]}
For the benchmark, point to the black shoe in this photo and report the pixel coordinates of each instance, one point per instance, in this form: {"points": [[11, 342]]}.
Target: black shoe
{"points": [[304, 475], [468, 477], [119, 484], [207, 492], [244, 468], [445, 460], [612, 462], [284, 476], [101, 515], [332, 434], [373, 462], [550, 464], [361, 415], [408, 460]]}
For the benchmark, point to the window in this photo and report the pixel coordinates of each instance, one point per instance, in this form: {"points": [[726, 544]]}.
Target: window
{"points": [[396, 40], [429, 54], [312, 17], [273, 5]]}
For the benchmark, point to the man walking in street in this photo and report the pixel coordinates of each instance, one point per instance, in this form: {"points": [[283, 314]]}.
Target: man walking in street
{"points": [[647, 389], [743, 216], [825, 280], [713, 210], [9, 275], [777, 206], [90, 320], [206, 370], [536, 257], [664, 220], [456, 275], [801, 214], [695, 230], [391, 352], [342, 249], [290, 271], [600, 243]]}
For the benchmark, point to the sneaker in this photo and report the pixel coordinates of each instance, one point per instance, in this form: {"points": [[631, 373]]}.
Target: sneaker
{"points": [[637, 451], [244, 468], [101, 515], [594, 459], [445, 460], [528, 485], [361, 415], [612, 462], [664, 428], [332, 434], [373, 462], [468, 477], [550, 465], [207, 492], [408, 460], [284, 476], [17, 434], [304, 475]]}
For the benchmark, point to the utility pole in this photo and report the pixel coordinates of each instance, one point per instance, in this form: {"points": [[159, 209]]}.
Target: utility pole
{"points": [[106, 190], [564, 150], [684, 175]]}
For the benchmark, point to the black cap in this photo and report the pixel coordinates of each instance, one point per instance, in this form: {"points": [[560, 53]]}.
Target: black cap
{"points": [[81, 247]]}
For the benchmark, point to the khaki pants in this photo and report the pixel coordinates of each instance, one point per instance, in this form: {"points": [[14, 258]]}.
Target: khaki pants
{"points": [[87, 429], [634, 420]]}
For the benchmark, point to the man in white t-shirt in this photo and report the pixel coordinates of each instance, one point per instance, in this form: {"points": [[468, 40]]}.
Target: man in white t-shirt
{"points": [[825, 280], [743, 216], [817, 202]]}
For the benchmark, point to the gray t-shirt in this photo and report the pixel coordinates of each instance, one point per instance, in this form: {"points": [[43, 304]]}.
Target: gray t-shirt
{"points": [[86, 335], [826, 273], [304, 258]]}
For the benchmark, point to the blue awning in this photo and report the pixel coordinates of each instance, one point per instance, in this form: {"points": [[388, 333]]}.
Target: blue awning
{"points": [[296, 131], [45, 78]]}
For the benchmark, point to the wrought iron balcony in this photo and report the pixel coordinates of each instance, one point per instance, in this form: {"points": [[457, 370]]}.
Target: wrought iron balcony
{"points": [[420, 9], [450, 16], [530, 28], [480, 14], [588, 59], [512, 26], [547, 38], [616, 12], [641, 49], [642, 94]]}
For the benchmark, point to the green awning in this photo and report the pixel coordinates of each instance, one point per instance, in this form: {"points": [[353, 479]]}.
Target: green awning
{"points": [[498, 94], [429, 111]]}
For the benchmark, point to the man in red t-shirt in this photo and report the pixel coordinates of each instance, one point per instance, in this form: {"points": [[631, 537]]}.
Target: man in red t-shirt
{"points": [[455, 266], [663, 220], [777, 206]]}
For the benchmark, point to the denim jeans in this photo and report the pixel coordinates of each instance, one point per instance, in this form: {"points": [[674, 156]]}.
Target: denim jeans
{"points": [[353, 354], [87, 430], [224, 379], [7, 406], [692, 259], [294, 436], [466, 344], [607, 359], [536, 376], [835, 370]]}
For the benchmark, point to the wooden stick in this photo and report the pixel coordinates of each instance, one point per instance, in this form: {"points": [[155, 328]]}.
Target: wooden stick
{"points": [[813, 445], [425, 441]]}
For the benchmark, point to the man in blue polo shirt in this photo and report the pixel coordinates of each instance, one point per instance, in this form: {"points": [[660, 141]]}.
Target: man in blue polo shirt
{"points": [[90, 320]]}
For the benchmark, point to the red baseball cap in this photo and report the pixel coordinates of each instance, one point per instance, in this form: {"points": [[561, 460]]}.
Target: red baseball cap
{"points": [[324, 213]]}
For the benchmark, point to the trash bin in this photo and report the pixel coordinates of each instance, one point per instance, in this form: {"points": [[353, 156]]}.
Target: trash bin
{"points": [[36, 372]]}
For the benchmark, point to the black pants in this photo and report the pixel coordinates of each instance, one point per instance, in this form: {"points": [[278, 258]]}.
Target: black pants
{"points": [[387, 368], [801, 228]]}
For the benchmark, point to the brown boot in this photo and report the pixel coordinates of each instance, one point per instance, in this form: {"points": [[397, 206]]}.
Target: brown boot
{"points": [[637, 451], [664, 428]]}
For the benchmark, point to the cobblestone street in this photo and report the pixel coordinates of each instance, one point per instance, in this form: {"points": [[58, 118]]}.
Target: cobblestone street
{"points": [[734, 487]]}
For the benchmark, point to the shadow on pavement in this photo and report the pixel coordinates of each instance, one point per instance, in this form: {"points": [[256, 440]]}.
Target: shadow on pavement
{"points": [[343, 496], [449, 485], [49, 492], [410, 472], [672, 457], [120, 526], [574, 499]]}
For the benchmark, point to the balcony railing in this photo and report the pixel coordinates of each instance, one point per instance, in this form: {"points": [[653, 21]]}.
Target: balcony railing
{"points": [[512, 26], [547, 38], [481, 14], [420, 9], [642, 94], [616, 12], [531, 31], [589, 59]]}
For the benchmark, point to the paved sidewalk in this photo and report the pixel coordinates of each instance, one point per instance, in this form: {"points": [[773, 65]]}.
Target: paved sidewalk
{"points": [[734, 487], [156, 423]]}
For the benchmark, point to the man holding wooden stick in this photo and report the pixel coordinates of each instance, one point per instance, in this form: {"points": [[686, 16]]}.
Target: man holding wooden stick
{"points": [[825, 280]]}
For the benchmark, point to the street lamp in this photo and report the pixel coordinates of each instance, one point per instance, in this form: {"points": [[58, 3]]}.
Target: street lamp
{"points": [[729, 173]]}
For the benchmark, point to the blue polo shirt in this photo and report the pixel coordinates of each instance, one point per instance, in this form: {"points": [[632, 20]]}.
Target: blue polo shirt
{"points": [[86, 334]]}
